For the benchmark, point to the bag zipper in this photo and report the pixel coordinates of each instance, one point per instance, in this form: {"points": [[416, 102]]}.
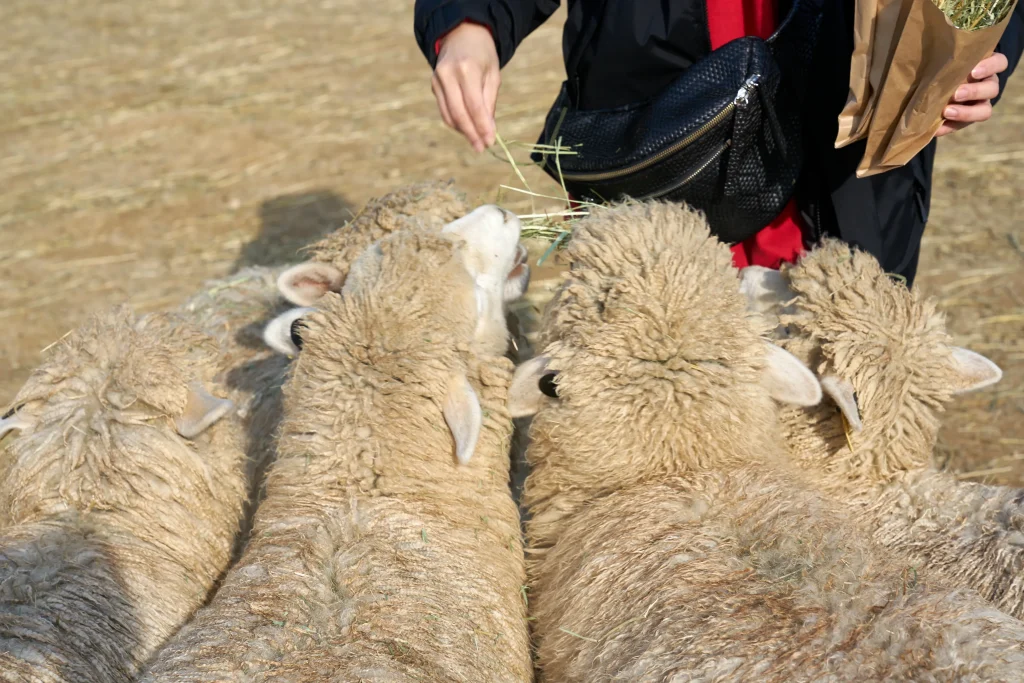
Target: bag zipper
{"points": [[741, 100], [690, 176]]}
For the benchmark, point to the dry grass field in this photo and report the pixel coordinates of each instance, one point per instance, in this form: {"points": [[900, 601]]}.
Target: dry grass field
{"points": [[146, 147]]}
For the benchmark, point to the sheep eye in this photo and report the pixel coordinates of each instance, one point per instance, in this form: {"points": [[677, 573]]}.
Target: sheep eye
{"points": [[294, 332], [546, 384], [11, 412]]}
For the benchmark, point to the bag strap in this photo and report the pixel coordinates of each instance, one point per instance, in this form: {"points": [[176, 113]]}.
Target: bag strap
{"points": [[794, 7]]}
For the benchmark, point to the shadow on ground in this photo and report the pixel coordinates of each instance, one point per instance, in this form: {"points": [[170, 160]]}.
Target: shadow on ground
{"points": [[290, 222]]}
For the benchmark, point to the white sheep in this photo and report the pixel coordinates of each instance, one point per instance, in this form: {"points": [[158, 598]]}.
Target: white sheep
{"points": [[888, 367], [670, 539], [119, 503], [388, 545]]}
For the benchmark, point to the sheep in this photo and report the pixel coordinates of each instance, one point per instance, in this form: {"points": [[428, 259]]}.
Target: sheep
{"points": [[427, 205], [232, 308], [889, 367], [669, 540], [387, 546], [119, 498]]}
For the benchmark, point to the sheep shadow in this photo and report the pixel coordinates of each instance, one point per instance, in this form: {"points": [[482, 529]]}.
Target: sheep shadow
{"points": [[64, 609], [290, 222], [263, 378]]}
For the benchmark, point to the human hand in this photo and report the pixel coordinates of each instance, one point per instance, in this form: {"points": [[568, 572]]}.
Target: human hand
{"points": [[466, 81], [973, 100]]}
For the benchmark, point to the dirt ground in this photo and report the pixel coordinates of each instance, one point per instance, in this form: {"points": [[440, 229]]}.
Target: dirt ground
{"points": [[146, 147]]}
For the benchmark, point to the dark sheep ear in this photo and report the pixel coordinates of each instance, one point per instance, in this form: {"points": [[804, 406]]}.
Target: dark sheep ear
{"points": [[547, 386]]}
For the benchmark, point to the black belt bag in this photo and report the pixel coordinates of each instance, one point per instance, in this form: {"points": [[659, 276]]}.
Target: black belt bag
{"points": [[725, 137]]}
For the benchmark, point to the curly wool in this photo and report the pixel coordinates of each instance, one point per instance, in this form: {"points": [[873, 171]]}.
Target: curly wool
{"points": [[669, 539], [368, 523], [431, 205], [103, 476], [890, 344], [630, 334]]}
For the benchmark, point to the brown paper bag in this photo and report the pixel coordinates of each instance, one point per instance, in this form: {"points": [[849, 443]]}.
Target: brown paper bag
{"points": [[931, 60], [852, 117], [874, 27]]}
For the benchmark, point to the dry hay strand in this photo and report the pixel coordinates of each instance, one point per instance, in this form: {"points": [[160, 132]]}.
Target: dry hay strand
{"points": [[974, 15]]}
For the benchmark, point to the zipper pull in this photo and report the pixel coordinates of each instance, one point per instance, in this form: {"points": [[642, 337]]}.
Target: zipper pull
{"points": [[743, 95]]}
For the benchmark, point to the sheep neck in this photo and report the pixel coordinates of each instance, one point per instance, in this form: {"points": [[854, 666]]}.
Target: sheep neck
{"points": [[577, 460], [845, 461], [361, 434]]}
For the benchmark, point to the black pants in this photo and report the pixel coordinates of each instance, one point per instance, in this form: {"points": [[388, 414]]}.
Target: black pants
{"points": [[885, 214]]}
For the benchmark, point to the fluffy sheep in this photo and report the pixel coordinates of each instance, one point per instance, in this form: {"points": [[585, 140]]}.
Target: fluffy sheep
{"points": [[426, 205], [889, 367], [388, 545], [668, 540], [119, 503]]}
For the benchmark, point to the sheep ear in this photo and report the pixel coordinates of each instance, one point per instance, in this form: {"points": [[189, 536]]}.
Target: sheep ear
{"points": [[303, 284], [533, 387], [973, 371], [278, 333], [462, 413], [788, 380], [11, 422], [764, 288], [201, 411], [842, 393], [518, 280]]}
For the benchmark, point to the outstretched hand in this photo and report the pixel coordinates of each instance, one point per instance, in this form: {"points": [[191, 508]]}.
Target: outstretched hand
{"points": [[972, 102], [466, 81]]}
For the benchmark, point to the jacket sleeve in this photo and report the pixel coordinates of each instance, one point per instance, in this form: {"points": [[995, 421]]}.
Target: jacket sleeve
{"points": [[510, 21], [1011, 45]]}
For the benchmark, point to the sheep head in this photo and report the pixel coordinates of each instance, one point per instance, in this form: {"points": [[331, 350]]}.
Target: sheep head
{"points": [[116, 365], [413, 302], [881, 350], [423, 206], [651, 354]]}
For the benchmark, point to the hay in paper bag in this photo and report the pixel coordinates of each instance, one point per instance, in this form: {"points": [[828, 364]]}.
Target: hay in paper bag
{"points": [[932, 58]]}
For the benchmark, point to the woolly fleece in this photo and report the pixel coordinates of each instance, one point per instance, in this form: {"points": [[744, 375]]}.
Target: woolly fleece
{"points": [[669, 541], [115, 528], [851, 320], [368, 523]]}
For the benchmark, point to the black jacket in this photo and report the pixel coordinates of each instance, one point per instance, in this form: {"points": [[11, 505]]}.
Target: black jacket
{"points": [[640, 46]]}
